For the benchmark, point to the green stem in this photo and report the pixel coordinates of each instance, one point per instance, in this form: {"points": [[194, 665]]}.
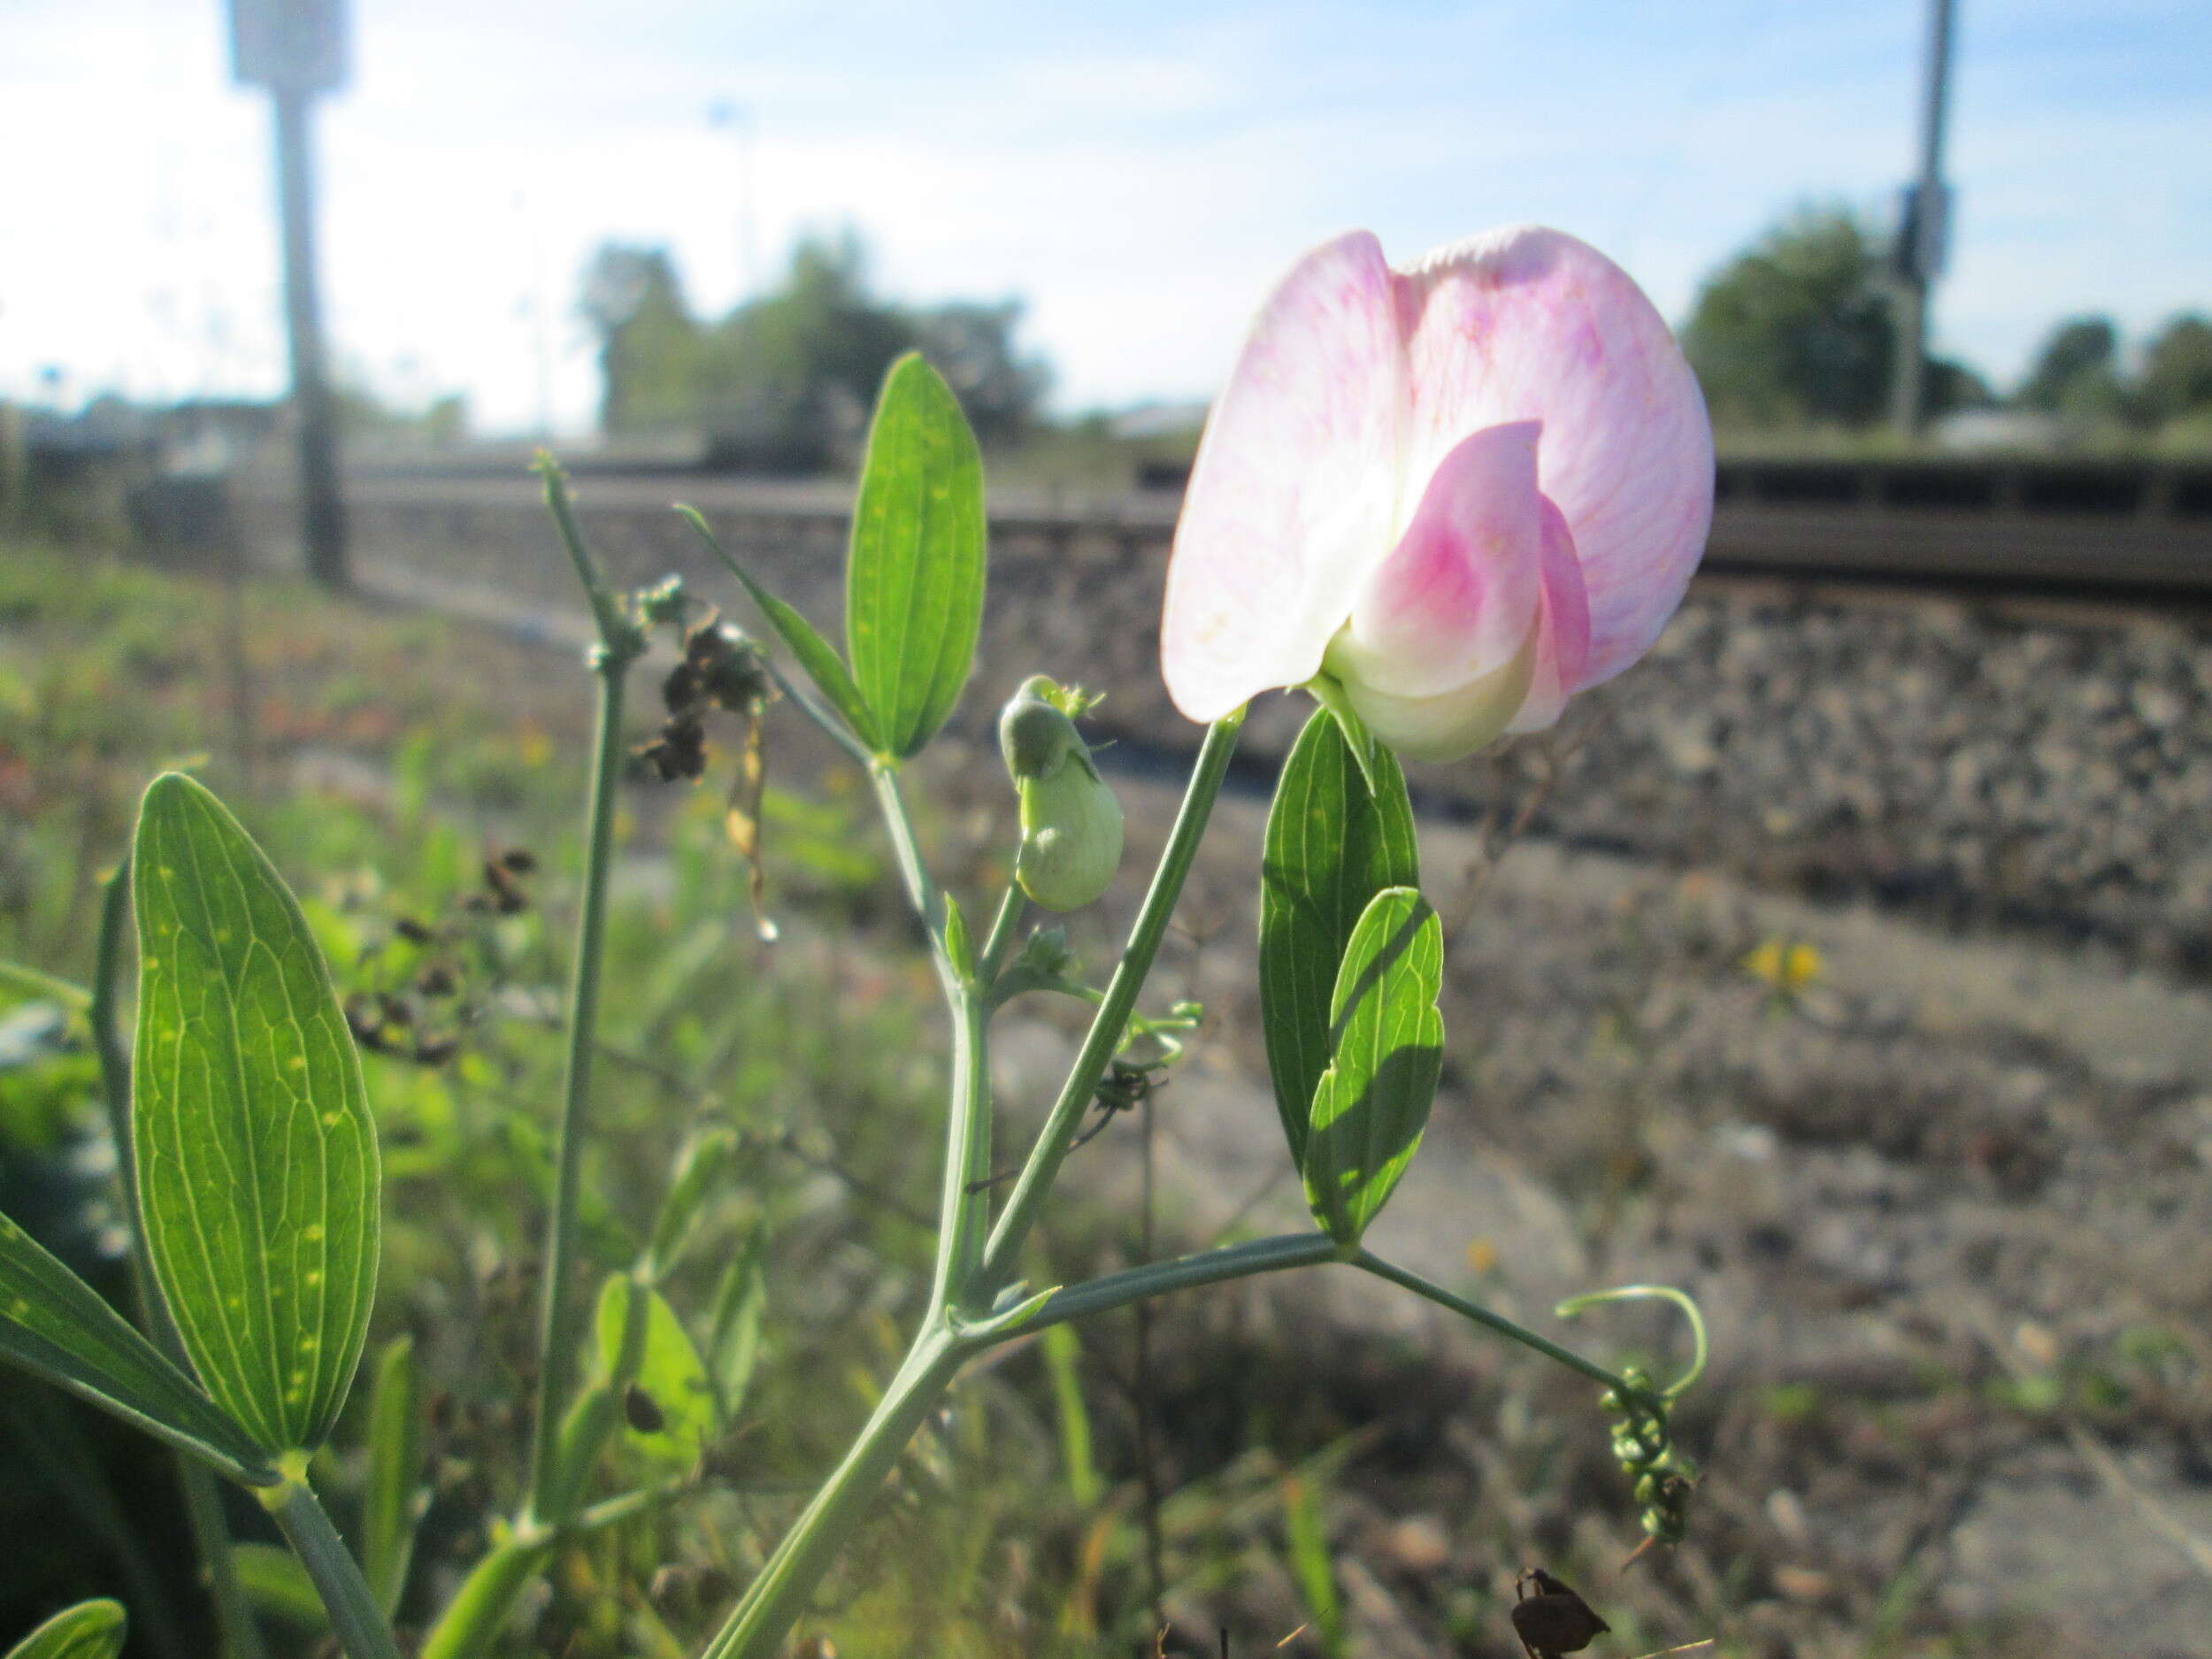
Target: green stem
{"points": [[775, 1599], [203, 1499], [963, 1206], [620, 645], [963, 1211], [606, 609], [1367, 1262], [1065, 1120], [354, 1617], [27, 981], [1110, 1291], [479, 1608], [1699, 1347], [1011, 905], [799, 697], [921, 890]]}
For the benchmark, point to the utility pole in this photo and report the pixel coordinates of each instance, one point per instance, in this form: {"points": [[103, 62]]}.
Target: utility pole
{"points": [[1923, 231], [743, 125], [296, 49]]}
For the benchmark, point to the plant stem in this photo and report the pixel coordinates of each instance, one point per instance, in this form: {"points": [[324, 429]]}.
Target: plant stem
{"points": [[354, 1617], [1004, 925], [921, 890], [963, 1208], [203, 1499], [963, 1211], [775, 1599], [620, 644], [1367, 1262], [479, 1610], [1110, 1291], [1065, 1120]]}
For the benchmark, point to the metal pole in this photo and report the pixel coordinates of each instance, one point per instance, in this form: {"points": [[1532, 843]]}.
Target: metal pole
{"points": [[1921, 230], [322, 513]]}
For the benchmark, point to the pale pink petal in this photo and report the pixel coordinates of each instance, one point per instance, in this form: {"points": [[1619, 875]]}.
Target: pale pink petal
{"points": [[1454, 723], [1529, 324], [1457, 595], [1290, 498], [1562, 629]]}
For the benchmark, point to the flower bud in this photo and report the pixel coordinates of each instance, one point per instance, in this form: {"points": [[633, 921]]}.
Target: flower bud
{"points": [[1071, 824]]}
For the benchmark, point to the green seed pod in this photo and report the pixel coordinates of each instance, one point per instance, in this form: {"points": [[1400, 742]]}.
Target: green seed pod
{"points": [[1070, 837], [1070, 823]]}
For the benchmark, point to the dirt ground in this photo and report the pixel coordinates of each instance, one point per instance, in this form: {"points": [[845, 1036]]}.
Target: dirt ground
{"points": [[1946, 1214]]}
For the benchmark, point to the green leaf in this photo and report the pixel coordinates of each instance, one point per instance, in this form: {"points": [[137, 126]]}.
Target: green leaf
{"points": [[699, 1167], [390, 1509], [1063, 1356], [54, 1325], [815, 654], [256, 1157], [734, 1343], [959, 948], [1389, 1047], [278, 1586], [91, 1630], [914, 582], [584, 1433], [668, 1374], [1332, 844], [1330, 693]]}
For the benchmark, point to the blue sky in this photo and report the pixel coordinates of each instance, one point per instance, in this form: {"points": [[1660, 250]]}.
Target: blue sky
{"points": [[1140, 172]]}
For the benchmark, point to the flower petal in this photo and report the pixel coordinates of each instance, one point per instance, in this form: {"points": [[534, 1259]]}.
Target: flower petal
{"points": [[1454, 723], [1562, 629], [1290, 498], [1528, 323], [1457, 595]]}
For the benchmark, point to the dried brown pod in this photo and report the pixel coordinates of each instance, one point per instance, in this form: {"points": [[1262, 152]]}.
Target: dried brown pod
{"points": [[507, 896], [1550, 1619], [679, 752]]}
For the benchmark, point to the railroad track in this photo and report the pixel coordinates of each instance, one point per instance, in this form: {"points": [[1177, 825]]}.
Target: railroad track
{"points": [[2132, 533]]}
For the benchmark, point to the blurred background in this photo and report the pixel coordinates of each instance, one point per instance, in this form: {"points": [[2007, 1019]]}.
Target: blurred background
{"points": [[1848, 963]]}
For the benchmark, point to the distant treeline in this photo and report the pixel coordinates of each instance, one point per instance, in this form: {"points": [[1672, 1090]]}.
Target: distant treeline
{"points": [[1799, 331], [1796, 335], [784, 381]]}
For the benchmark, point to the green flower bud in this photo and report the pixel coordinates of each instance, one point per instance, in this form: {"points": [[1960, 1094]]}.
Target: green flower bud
{"points": [[1047, 952], [1070, 823]]}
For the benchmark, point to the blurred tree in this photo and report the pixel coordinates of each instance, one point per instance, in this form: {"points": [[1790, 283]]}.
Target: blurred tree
{"points": [[789, 378], [1797, 331], [2177, 380], [649, 347], [785, 381], [973, 345], [2077, 373]]}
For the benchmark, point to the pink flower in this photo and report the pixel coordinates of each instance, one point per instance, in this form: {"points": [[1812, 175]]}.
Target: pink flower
{"points": [[1464, 491]]}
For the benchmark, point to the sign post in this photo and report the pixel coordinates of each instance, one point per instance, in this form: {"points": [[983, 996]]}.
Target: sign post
{"points": [[296, 49]]}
